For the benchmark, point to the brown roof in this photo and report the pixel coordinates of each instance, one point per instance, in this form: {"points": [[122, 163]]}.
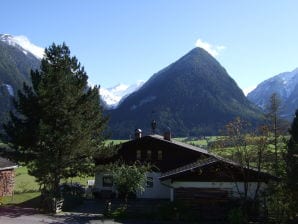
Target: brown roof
{"points": [[181, 144], [126, 152], [212, 160], [5, 164], [182, 169]]}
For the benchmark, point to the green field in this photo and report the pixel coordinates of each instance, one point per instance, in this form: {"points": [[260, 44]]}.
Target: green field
{"points": [[115, 142], [199, 142], [27, 189]]}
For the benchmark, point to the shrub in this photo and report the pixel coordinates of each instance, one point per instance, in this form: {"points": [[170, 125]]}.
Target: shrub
{"points": [[237, 216]]}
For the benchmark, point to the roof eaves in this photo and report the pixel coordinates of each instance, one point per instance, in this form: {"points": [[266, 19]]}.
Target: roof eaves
{"points": [[182, 169], [8, 168]]}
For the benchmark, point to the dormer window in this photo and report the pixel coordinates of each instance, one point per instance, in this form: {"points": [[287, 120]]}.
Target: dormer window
{"points": [[159, 155], [149, 153], [139, 155]]}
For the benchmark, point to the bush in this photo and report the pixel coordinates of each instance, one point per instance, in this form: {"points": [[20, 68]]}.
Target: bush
{"points": [[280, 205], [237, 216], [74, 189], [71, 202], [72, 195], [118, 213]]}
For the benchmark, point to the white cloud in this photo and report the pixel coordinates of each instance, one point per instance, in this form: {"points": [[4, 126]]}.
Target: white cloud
{"points": [[211, 49]]}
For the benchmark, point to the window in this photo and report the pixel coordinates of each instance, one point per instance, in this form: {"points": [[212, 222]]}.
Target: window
{"points": [[159, 155], [149, 183], [139, 154], [149, 155], [107, 181]]}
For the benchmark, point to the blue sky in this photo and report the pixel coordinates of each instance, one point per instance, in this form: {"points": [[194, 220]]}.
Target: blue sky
{"points": [[124, 41]]}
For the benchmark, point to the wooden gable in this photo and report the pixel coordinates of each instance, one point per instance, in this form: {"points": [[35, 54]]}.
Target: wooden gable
{"points": [[163, 154]]}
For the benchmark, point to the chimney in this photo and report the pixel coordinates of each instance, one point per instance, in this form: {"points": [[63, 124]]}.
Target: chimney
{"points": [[138, 133], [167, 134], [153, 126]]}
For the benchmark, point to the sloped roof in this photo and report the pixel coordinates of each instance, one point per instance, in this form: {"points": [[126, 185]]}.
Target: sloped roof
{"points": [[182, 169], [5, 164], [181, 144], [208, 161], [175, 153]]}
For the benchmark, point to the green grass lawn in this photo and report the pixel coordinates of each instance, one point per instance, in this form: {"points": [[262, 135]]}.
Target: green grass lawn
{"points": [[115, 142], [22, 199], [199, 142], [26, 192], [26, 188], [24, 182]]}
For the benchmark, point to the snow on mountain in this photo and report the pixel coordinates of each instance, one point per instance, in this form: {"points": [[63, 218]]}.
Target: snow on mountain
{"points": [[114, 95], [9, 89], [285, 85], [24, 43]]}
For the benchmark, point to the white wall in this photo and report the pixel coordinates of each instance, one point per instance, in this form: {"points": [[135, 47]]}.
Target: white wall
{"points": [[158, 191], [98, 183], [231, 187]]}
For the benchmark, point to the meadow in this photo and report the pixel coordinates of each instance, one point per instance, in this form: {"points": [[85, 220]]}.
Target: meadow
{"points": [[27, 191]]}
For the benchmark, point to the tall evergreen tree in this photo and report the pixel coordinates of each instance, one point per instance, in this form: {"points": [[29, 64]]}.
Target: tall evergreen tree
{"points": [[292, 156], [273, 115], [292, 169], [59, 122]]}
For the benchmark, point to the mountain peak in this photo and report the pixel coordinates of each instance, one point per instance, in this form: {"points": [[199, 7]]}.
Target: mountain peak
{"points": [[194, 95], [197, 52], [114, 95], [23, 43], [285, 85]]}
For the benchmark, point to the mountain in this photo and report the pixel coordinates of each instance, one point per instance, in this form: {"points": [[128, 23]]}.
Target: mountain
{"points": [[114, 95], [285, 85], [193, 96], [23, 44], [16, 61]]}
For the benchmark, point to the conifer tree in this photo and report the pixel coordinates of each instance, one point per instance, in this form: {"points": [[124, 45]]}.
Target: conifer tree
{"points": [[59, 124], [292, 168], [273, 116], [292, 156]]}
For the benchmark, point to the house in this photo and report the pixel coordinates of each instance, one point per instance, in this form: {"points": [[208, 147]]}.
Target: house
{"points": [[215, 178], [184, 171], [7, 176]]}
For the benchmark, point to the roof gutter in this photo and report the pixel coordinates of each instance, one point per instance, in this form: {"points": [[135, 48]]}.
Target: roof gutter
{"points": [[8, 168]]}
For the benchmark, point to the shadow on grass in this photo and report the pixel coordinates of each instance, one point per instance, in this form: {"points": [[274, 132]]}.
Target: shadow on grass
{"points": [[14, 209], [31, 203]]}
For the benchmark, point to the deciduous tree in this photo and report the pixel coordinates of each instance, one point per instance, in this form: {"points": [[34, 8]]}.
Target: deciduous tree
{"points": [[129, 179]]}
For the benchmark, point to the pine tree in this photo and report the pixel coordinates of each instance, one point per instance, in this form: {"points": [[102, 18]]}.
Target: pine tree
{"points": [[292, 156], [292, 169], [59, 124], [273, 116]]}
